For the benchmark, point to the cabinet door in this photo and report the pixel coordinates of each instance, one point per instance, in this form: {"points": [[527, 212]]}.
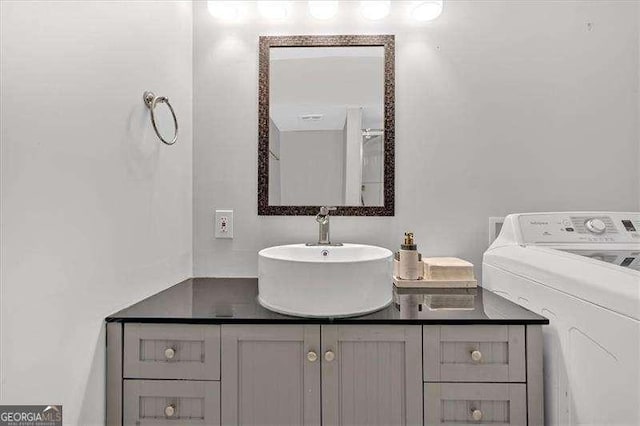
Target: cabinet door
{"points": [[270, 375], [371, 375]]}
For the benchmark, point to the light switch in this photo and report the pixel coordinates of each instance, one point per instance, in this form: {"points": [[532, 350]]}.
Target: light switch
{"points": [[224, 223]]}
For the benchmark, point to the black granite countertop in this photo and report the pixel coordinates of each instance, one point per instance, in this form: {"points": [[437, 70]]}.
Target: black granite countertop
{"points": [[234, 300]]}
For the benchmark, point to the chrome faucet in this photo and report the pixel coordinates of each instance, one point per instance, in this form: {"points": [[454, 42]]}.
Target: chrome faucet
{"points": [[323, 229]]}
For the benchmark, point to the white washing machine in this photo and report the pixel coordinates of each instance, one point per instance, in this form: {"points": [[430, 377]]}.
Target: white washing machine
{"points": [[581, 270]]}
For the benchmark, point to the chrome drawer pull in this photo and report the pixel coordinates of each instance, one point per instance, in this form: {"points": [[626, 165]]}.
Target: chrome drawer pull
{"points": [[169, 353], [170, 410], [329, 356], [312, 356], [476, 415], [476, 356]]}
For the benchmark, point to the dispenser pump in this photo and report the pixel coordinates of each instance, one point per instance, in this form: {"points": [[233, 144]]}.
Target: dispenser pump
{"points": [[409, 261], [409, 242]]}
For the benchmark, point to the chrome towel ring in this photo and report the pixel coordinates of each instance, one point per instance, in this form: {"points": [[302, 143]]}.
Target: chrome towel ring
{"points": [[151, 100]]}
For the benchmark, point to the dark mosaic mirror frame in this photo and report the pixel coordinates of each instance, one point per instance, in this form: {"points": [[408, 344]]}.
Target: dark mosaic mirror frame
{"points": [[386, 41]]}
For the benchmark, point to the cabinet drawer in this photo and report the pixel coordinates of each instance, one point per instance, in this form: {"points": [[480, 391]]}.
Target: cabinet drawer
{"points": [[474, 353], [475, 403], [171, 402], [172, 351]]}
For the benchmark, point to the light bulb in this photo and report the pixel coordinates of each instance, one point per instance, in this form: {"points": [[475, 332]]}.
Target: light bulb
{"points": [[376, 9], [323, 9], [227, 10], [274, 9], [427, 10]]}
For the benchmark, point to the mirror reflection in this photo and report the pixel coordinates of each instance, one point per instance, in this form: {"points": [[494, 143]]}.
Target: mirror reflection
{"points": [[326, 126]]}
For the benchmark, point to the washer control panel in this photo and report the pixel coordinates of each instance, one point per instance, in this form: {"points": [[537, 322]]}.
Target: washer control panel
{"points": [[580, 227]]}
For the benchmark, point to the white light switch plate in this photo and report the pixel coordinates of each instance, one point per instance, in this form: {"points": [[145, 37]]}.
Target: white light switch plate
{"points": [[224, 224]]}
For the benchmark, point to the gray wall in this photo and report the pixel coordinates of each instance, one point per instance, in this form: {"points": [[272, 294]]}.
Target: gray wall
{"points": [[502, 106], [96, 213]]}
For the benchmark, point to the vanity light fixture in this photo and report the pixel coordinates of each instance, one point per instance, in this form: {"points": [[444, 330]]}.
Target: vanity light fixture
{"points": [[427, 10], [323, 9], [277, 10], [227, 10], [376, 9]]}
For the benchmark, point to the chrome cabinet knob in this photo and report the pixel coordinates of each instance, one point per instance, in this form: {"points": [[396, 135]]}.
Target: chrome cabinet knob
{"points": [[312, 356], [169, 353], [476, 415], [476, 356], [170, 410], [329, 356]]}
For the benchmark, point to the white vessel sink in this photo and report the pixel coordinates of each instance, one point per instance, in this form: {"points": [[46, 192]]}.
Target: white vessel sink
{"points": [[325, 281]]}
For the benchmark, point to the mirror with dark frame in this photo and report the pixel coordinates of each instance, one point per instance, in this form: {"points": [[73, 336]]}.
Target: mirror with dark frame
{"points": [[326, 125]]}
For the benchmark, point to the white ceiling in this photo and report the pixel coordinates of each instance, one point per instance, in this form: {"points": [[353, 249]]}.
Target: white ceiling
{"points": [[325, 81]]}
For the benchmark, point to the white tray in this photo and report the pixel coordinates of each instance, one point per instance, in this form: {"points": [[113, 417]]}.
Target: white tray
{"points": [[400, 283]]}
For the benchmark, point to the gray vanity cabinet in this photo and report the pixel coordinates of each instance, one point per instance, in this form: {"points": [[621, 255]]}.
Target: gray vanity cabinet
{"points": [[274, 374], [371, 375], [220, 359], [324, 375], [271, 375]]}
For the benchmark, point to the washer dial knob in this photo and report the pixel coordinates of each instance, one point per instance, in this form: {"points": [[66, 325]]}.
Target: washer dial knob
{"points": [[596, 226]]}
